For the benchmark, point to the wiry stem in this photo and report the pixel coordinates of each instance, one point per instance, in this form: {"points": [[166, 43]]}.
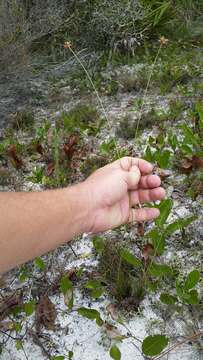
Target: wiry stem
{"points": [[189, 338], [146, 90], [96, 92], [91, 82]]}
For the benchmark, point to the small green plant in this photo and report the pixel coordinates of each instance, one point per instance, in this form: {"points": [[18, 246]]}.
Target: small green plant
{"points": [[124, 278], [110, 150], [81, 118], [42, 131], [160, 156], [37, 175]]}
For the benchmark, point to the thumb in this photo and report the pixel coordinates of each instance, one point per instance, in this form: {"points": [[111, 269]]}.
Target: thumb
{"points": [[133, 177]]}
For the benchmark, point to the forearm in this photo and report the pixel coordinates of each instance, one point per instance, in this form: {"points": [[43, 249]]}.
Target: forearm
{"points": [[33, 223]]}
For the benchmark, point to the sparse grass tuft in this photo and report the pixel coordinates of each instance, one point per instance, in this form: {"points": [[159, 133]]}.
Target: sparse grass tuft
{"points": [[23, 120], [124, 280], [128, 123]]}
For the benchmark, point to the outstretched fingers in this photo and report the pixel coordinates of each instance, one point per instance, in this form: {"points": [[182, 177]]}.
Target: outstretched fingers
{"points": [[144, 214]]}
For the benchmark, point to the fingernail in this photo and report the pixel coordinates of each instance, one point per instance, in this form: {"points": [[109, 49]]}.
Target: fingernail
{"points": [[156, 212]]}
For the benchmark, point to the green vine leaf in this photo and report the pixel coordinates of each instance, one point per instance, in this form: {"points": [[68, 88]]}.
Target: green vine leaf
{"points": [[158, 241], [95, 287], [91, 314], [70, 355], [168, 299], [165, 208], [115, 353], [154, 345], [98, 243], [29, 307], [192, 279], [39, 263], [191, 297], [19, 344], [163, 158], [178, 225], [159, 270], [65, 284], [130, 258]]}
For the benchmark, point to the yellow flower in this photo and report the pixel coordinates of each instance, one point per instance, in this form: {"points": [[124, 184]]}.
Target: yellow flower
{"points": [[163, 41], [67, 45]]}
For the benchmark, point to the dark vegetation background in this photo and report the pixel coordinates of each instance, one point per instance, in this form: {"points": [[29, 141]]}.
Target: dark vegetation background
{"points": [[29, 28]]}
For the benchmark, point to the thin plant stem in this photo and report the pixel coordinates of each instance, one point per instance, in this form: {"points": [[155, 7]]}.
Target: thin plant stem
{"points": [[97, 95], [189, 338], [146, 90], [91, 82]]}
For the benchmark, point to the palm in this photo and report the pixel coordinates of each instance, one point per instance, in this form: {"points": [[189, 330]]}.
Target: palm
{"points": [[118, 187]]}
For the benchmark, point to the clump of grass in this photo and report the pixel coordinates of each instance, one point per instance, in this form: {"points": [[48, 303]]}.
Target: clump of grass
{"points": [[132, 81], [81, 117], [176, 107], [194, 185], [124, 280], [23, 120], [128, 123]]}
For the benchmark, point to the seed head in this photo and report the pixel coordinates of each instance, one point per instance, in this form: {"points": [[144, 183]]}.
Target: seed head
{"points": [[67, 45], [163, 41]]}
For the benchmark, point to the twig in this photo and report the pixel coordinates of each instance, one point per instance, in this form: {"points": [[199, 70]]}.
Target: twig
{"points": [[189, 338], [10, 336], [73, 251], [24, 352], [39, 343]]}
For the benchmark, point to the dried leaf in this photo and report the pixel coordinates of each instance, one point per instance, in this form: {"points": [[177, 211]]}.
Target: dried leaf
{"points": [[130, 103], [112, 311], [50, 169], [45, 314], [7, 325], [147, 251], [39, 148], [191, 163], [9, 303], [69, 146], [186, 166], [163, 174], [12, 152], [112, 331], [197, 162], [140, 229], [72, 274]]}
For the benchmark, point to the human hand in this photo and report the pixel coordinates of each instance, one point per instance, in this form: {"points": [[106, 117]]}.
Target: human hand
{"points": [[115, 189]]}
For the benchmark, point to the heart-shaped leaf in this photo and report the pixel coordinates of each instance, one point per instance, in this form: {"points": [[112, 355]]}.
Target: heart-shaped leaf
{"points": [[154, 345]]}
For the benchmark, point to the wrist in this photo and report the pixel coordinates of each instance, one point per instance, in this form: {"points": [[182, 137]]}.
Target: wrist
{"points": [[80, 206]]}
